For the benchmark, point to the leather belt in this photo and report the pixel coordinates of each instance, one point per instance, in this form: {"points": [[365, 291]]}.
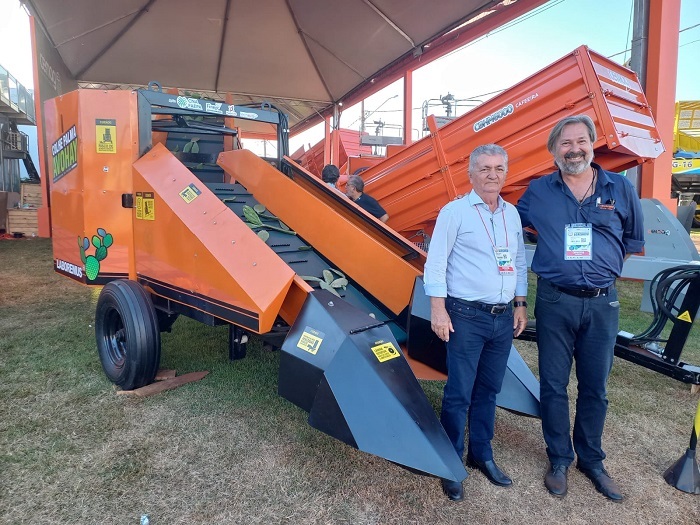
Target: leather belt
{"points": [[493, 309], [584, 292]]}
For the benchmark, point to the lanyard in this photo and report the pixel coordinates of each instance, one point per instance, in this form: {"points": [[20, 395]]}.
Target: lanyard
{"points": [[503, 213]]}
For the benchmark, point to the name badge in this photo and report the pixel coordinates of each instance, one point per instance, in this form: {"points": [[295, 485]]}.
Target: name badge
{"points": [[504, 260], [578, 242]]}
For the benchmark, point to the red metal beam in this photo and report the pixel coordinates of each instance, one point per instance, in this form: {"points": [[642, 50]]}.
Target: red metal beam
{"points": [[661, 71], [408, 107]]}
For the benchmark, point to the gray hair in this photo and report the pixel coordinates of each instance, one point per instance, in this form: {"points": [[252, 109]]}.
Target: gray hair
{"points": [[356, 182], [486, 149], [556, 132]]}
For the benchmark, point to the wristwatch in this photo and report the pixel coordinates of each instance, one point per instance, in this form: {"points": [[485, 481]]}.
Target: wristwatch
{"points": [[520, 303]]}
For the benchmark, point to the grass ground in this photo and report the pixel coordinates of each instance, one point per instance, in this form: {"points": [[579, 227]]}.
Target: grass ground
{"points": [[228, 450]]}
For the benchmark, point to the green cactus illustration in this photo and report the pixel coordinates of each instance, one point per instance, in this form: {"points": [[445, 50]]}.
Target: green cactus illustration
{"points": [[102, 241]]}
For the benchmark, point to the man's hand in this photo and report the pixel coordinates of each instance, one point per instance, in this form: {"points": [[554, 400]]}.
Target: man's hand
{"points": [[519, 320], [439, 318]]}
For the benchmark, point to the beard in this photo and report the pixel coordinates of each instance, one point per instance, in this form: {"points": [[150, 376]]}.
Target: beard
{"points": [[574, 167]]}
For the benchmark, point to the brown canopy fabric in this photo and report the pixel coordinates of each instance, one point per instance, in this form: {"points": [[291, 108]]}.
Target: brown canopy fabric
{"points": [[301, 55]]}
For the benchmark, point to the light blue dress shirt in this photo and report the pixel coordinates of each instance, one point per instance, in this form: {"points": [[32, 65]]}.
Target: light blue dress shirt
{"points": [[461, 261]]}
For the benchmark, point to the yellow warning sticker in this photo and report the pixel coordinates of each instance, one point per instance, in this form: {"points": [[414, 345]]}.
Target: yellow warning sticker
{"points": [[685, 316], [190, 193], [145, 206], [310, 341], [105, 135], [385, 351]]}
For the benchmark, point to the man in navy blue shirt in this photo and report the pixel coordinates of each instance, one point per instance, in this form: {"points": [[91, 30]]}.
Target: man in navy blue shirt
{"points": [[588, 221], [354, 190]]}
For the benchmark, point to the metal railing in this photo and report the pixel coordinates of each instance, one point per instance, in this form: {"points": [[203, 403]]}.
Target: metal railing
{"points": [[15, 95], [15, 141]]}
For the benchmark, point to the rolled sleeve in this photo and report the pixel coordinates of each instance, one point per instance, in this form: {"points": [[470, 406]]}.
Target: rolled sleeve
{"points": [[633, 234]]}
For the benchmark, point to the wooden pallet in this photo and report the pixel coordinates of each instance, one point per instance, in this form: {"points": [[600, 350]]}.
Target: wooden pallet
{"points": [[31, 194], [23, 221]]}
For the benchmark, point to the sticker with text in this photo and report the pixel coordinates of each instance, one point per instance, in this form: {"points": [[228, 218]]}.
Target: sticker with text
{"points": [[384, 351], [310, 341]]}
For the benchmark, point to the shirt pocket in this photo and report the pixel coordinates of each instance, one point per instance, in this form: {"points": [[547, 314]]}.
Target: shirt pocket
{"points": [[601, 217]]}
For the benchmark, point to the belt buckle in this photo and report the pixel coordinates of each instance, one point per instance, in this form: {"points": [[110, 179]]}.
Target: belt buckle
{"points": [[496, 309], [597, 292]]}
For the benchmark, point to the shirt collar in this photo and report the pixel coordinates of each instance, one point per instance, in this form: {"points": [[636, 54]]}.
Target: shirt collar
{"points": [[602, 175], [474, 199]]}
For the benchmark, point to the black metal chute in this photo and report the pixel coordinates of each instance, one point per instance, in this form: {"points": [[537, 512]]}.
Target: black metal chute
{"points": [[358, 387]]}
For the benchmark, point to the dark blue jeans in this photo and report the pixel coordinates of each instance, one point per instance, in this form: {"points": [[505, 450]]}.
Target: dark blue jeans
{"points": [[583, 329], [477, 355]]}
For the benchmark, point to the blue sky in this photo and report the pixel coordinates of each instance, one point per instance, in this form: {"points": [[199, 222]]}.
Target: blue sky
{"points": [[489, 65]]}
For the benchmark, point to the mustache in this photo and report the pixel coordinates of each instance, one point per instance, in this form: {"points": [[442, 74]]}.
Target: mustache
{"points": [[569, 156]]}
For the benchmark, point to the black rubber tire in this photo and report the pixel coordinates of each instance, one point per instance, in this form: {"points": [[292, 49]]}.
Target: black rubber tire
{"points": [[128, 339]]}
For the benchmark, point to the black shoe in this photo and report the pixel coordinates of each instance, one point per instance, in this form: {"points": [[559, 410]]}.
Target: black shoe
{"points": [[603, 482], [489, 468], [555, 480], [453, 489]]}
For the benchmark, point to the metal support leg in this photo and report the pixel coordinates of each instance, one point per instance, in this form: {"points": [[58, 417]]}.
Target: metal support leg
{"points": [[237, 342]]}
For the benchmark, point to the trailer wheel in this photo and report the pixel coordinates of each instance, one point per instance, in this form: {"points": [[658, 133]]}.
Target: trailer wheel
{"points": [[128, 339]]}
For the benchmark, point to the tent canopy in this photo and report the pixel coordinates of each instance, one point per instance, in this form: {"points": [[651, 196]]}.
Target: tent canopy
{"points": [[301, 55]]}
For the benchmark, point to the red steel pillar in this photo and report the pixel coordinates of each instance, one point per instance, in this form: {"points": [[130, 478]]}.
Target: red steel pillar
{"points": [[327, 141], [661, 71], [408, 107]]}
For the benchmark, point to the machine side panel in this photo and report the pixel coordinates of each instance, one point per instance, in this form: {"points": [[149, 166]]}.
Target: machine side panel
{"points": [[191, 248], [91, 149], [67, 214]]}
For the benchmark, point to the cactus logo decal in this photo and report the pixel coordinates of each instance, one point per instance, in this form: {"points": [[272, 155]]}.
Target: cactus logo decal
{"points": [[102, 241]]}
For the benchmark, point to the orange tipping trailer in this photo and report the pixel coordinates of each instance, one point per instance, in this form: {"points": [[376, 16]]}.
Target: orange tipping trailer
{"points": [[417, 181]]}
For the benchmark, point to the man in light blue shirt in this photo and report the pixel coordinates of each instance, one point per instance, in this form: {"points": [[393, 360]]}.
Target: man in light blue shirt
{"points": [[476, 266]]}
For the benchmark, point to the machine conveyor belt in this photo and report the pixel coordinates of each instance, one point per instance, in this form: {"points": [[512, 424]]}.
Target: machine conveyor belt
{"points": [[300, 256]]}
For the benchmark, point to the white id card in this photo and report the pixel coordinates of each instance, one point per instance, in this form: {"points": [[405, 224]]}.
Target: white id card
{"points": [[504, 260], [578, 242]]}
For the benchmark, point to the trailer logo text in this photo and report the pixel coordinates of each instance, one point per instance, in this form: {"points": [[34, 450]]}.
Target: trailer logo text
{"points": [[65, 153], [69, 268], [213, 107], [493, 118], [189, 103]]}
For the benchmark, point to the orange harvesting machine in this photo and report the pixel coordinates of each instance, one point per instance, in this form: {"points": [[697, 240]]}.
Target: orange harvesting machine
{"points": [[150, 200]]}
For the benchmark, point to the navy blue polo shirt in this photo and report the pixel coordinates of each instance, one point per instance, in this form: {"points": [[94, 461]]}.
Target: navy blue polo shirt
{"points": [[370, 205], [618, 228]]}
